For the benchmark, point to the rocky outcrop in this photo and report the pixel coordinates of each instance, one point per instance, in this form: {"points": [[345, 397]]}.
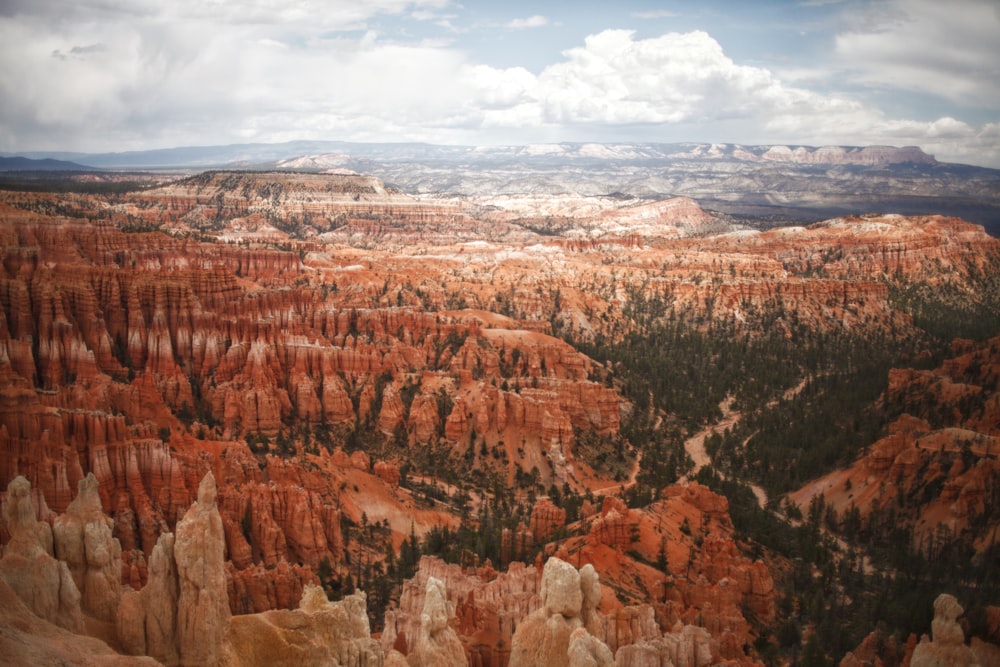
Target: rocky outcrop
{"points": [[43, 583], [147, 619], [437, 644], [488, 607], [947, 646], [157, 356], [257, 588], [182, 614], [686, 645], [546, 518], [27, 639], [203, 614], [149, 360], [844, 155], [709, 598], [83, 540], [317, 633], [613, 526], [547, 636], [585, 650]]}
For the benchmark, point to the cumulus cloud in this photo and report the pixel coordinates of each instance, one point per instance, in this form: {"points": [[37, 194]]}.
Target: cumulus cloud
{"points": [[89, 75], [677, 77], [686, 80]]}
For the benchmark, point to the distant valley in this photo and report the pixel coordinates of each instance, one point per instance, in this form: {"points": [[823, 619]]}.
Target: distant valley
{"points": [[767, 185]]}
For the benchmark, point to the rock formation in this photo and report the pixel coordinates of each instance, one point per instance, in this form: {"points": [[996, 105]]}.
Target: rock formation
{"points": [[936, 464], [203, 614], [947, 648], [182, 614], [26, 639], [544, 637], [43, 583], [546, 518], [437, 645], [585, 650], [83, 540], [317, 633], [431, 334], [147, 619]]}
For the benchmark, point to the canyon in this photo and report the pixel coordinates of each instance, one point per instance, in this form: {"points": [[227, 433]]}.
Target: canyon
{"points": [[389, 390]]}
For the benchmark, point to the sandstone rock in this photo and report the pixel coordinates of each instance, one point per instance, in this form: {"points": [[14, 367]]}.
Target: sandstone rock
{"points": [[437, 645], [614, 525], [130, 623], [147, 619], [317, 633], [585, 650], [27, 639], [257, 588], [871, 651], [544, 637], [986, 653], [84, 542], [29, 537], [388, 472], [948, 644], [683, 646], [546, 518], [395, 659], [203, 614], [44, 584], [927, 476], [160, 598]]}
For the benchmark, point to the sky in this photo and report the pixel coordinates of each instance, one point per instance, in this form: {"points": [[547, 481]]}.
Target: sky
{"points": [[118, 75]]}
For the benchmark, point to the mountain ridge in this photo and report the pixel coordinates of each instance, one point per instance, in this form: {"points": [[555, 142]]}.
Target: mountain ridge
{"points": [[261, 153], [19, 163], [768, 185]]}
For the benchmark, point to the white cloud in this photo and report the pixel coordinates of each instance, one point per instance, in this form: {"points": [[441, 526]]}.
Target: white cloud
{"points": [[655, 14], [536, 21], [686, 80], [614, 79], [947, 49], [161, 74], [98, 78]]}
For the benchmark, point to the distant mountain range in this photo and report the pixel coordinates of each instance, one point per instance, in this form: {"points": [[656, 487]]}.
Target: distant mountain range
{"points": [[773, 184], [18, 163], [263, 155]]}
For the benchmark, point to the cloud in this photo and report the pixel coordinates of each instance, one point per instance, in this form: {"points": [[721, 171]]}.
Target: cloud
{"points": [[89, 75], [685, 81], [535, 21], [949, 50], [678, 77], [161, 74], [655, 14]]}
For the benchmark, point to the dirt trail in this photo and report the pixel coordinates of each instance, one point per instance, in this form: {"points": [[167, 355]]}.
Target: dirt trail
{"points": [[695, 445], [628, 484]]}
